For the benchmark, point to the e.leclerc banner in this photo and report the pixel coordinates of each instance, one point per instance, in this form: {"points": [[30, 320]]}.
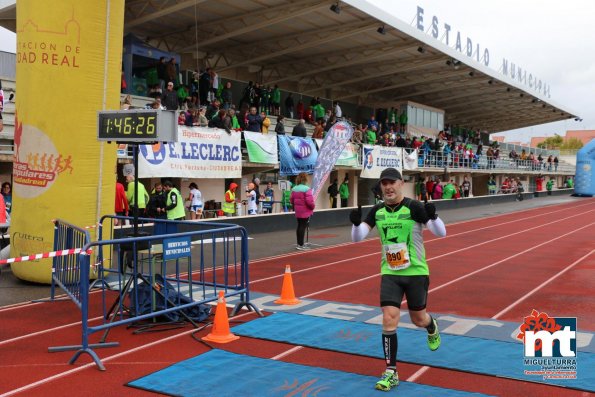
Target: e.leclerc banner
{"points": [[333, 144], [199, 153], [262, 148], [296, 155], [69, 62], [377, 158]]}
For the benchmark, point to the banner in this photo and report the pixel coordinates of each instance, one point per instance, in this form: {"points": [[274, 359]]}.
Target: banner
{"points": [[334, 142], [199, 153], [377, 158], [69, 60], [296, 155], [348, 157], [262, 148], [410, 160]]}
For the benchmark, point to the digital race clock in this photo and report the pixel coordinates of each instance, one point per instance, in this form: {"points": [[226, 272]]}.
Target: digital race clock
{"points": [[138, 125]]}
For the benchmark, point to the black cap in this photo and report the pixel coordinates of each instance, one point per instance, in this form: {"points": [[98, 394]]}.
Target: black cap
{"points": [[391, 174]]}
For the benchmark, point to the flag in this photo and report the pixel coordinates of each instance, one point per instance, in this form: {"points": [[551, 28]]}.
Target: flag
{"points": [[337, 137]]}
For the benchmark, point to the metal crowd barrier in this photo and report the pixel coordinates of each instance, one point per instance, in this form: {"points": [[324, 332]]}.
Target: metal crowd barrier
{"points": [[169, 269], [66, 270]]}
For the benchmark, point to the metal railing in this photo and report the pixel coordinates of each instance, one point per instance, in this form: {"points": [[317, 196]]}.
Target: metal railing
{"points": [[170, 268]]}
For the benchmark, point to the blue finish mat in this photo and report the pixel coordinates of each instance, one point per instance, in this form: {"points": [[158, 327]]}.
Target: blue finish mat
{"points": [[222, 374], [482, 356]]}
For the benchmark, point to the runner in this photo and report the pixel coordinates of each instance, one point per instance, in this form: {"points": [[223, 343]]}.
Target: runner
{"points": [[404, 268]]}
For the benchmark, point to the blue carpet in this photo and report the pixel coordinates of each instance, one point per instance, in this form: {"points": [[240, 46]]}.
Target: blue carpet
{"points": [[482, 356], [220, 373]]}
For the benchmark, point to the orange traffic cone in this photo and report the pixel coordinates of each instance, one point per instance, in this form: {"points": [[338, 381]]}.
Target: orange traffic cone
{"points": [[287, 294], [221, 332]]}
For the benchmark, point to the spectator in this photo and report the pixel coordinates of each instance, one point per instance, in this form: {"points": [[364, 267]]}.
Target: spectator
{"points": [[172, 70], [289, 105], [371, 138], [120, 208], [373, 123], [254, 121], [196, 203], [300, 110], [550, 160], [276, 100], [251, 199], [7, 195], [266, 122], [403, 121], [465, 187], [227, 96], [318, 131], [556, 164], [302, 200], [420, 189], [449, 190], [338, 111], [143, 196], [280, 126], [269, 198], [162, 72], [127, 103], [549, 186], [506, 186], [174, 205], [539, 183], [170, 97], [332, 191], [285, 199], [235, 124], [229, 202], [156, 206], [492, 188], [569, 182], [300, 129], [344, 192], [182, 118], [437, 190], [202, 118], [222, 121], [357, 136], [204, 86]]}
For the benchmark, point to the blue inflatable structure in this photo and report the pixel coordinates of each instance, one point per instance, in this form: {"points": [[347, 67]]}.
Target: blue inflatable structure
{"points": [[584, 182]]}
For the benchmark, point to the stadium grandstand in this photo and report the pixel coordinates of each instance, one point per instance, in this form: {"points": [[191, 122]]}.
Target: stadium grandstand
{"points": [[442, 103]]}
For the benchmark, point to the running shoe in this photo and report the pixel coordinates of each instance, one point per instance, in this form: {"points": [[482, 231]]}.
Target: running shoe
{"points": [[434, 339], [388, 380]]}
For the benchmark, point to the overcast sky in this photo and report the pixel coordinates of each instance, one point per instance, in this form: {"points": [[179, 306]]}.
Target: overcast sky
{"points": [[550, 39]]}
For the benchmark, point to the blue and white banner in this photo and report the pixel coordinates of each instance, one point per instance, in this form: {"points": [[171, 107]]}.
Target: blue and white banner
{"points": [[337, 137], [199, 153], [296, 155], [377, 158], [262, 148]]}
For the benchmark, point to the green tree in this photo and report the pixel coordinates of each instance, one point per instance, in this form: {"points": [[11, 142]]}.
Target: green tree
{"points": [[571, 144], [553, 142]]}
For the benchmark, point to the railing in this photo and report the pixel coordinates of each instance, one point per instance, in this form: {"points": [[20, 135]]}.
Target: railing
{"points": [[452, 160], [171, 268]]}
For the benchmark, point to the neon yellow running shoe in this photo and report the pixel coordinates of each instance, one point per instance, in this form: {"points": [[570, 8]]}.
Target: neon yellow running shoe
{"points": [[434, 339], [388, 380]]}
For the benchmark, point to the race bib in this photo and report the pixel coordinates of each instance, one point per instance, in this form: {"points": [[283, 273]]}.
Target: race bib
{"points": [[396, 256]]}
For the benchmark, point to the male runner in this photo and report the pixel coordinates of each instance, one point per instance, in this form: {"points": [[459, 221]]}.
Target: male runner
{"points": [[404, 269]]}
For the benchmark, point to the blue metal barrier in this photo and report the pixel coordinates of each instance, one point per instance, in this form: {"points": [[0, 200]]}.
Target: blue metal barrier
{"points": [[182, 269], [66, 269]]}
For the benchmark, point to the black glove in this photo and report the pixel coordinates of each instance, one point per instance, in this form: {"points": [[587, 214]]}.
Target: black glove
{"points": [[431, 211], [355, 216]]}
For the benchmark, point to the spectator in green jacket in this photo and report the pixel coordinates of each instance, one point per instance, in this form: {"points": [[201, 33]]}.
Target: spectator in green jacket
{"points": [[371, 136], [449, 191], [344, 191]]}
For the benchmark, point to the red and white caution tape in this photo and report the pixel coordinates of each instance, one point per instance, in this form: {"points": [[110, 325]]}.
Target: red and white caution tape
{"points": [[52, 254]]}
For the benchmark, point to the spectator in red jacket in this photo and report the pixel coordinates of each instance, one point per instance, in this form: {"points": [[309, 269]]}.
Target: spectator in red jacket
{"points": [[121, 206]]}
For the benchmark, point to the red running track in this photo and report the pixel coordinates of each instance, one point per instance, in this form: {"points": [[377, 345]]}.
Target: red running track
{"points": [[497, 267]]}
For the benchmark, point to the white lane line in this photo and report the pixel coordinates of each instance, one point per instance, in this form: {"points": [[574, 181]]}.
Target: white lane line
{"points": [[549, 280]]}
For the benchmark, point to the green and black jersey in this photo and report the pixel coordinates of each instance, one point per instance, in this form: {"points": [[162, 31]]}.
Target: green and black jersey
{"points": [[400, 227]]}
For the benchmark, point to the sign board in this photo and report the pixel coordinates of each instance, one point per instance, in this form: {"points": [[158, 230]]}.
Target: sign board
{"points": [[137, 125]]}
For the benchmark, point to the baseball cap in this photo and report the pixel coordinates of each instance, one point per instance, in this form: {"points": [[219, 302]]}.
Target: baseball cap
{"points": [[391, 174]]}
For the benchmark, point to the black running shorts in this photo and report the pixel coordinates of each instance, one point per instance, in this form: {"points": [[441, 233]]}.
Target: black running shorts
{"points": [[415, 288]]}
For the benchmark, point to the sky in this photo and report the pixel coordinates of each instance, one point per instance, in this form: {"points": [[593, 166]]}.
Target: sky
{"points": [[551, 39]]}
